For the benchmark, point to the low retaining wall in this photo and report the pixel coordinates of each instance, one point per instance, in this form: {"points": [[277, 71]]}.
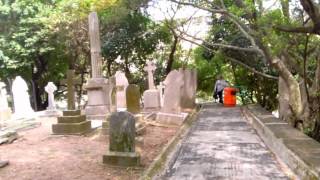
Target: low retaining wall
{"points": [[300, 152]]}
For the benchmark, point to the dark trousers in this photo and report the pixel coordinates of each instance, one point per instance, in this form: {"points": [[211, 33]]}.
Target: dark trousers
{"points": [[220, 96]]}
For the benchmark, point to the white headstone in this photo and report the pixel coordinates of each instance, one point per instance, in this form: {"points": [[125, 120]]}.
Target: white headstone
{"points": [[50, 89], [121, 84], [161, 87], [172, 93], [21, 99], [150, 68]]}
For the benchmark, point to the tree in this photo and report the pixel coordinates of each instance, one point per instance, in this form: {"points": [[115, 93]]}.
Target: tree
{"points": [[254, 24]]}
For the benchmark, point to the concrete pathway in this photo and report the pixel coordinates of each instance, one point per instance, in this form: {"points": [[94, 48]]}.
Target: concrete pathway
{"points": [[221, 145]]}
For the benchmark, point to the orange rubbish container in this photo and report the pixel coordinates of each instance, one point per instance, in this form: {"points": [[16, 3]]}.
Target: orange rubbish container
{"points": [[230, 99]]}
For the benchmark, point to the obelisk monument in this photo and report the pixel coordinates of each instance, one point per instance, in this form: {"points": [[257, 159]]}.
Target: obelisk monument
{"points": [[98, 106]]}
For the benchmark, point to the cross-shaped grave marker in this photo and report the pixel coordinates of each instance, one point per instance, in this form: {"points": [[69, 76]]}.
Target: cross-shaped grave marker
{"points": [[71, 81], [150, 68]]}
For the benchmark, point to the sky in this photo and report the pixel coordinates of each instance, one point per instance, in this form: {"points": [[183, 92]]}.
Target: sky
{"points": [[162, 9]]}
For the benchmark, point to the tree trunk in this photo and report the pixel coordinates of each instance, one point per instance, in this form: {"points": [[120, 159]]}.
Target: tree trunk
{"points": [[172, 53]]}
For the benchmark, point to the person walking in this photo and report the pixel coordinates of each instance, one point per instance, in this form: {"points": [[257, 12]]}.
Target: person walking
{"points": [[218, 88]]}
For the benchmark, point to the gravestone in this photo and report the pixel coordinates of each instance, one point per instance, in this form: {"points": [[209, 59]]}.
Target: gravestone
{"points": [[5, 111], [72, 122], [189, 89], [21, 99], [133, 98], [171, 110], [122, 141], [51, 109], [122, 84], [98, 90], [50, 89], [161, 87], [113, 104], [151, 97]]}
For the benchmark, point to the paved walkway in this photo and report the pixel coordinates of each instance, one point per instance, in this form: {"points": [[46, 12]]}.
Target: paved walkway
{"points": [[221, 145]]}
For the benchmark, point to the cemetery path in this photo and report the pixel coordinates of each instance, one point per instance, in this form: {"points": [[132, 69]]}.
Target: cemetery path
{"points": [[221, 145]]}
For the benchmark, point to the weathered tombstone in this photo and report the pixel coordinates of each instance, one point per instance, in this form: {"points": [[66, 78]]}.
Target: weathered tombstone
{"points": [[72, 122], [133, 98], [189, 89], [50, 89], [122, 84], [113, 103], [171, 110], [98, 90], [151, 97], [122, 141], [21, 99], [161, 90], [5, 111]]}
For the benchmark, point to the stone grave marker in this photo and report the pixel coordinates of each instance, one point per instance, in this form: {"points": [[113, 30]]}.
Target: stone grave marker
{"points": [[72, 122], [5, 111], [122, 141], [98, 89], [21, 99], [172, 93], [188, 97], [151, 97], [50, 89], [171, 110], [133, 98], [161, 87], [113, 106], [122, 84], [51, 109]]}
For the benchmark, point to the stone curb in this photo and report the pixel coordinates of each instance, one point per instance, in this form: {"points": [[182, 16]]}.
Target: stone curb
{"points": [[158, 164], [279, 140]]}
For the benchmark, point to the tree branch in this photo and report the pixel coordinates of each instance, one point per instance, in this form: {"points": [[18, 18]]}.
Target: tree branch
{"points": [[234, 60]]}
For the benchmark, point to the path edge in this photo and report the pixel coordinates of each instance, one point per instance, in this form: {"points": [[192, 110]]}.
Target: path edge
{"points": [[162, 159], [278, 147]]}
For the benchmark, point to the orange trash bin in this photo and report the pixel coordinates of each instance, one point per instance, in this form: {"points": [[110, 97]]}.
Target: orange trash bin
{"points": [[230, 98]]}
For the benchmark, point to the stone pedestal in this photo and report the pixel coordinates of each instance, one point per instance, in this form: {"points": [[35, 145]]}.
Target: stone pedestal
{"points": [[98, 106], [122, 158], [151, 99], [5, 114], [171, 119], [72, 122]]}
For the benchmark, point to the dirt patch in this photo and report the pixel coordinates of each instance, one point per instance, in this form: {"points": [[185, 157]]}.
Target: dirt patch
{"points": [[39, 155]]}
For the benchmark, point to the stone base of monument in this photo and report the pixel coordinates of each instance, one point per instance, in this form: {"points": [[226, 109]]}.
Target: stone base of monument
{"points": [[171, 119], [5, 114], [50, 113], [98, 102], [97, 112], [122, 159], [151, 100], [72, 122]]}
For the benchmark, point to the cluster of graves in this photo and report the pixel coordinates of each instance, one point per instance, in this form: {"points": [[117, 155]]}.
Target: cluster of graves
{"points": [[111, 100]]}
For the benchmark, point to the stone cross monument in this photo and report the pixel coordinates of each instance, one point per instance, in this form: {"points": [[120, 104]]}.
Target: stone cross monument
{"points": [[150, 68], [50, 89], [151, 96], [71, 81], [98, 88]]}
